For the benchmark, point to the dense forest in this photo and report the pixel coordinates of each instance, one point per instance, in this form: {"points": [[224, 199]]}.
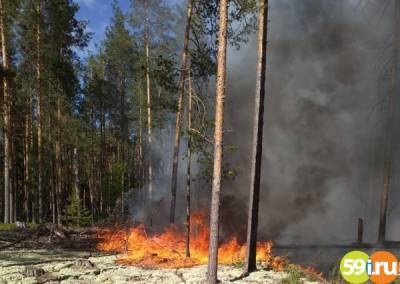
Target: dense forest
{"points": [[121, 132], [78, 132]]}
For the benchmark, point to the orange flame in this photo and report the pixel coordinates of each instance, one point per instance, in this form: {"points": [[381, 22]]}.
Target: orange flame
{"points": [[167, 250]]}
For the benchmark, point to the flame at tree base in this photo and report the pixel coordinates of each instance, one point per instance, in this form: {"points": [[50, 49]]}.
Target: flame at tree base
{"points": [[167, 250]]}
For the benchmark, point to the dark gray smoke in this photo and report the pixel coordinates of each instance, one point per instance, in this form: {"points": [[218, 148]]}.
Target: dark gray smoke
{"points": [[325, 126], [324, 121]]}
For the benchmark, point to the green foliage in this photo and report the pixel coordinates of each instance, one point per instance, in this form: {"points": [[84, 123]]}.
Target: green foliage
{"points": [[103, 100], [117, 185], [7, 227], [76, 214]]}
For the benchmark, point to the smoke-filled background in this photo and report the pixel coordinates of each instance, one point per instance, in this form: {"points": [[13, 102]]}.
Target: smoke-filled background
{"points": [[324, 122], [325, 126]]}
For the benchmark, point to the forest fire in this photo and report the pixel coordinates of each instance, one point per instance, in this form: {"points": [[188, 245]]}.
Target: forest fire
{"points": [[167, 250]]}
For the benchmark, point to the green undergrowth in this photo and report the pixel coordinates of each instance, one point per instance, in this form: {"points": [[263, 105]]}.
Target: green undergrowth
{"points": [[8, 227]]}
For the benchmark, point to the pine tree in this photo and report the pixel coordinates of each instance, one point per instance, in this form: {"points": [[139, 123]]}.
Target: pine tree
{"points": [[63, 33], [9, 195], [151, 21], [76, 214], [258, 124], [181, 90], [218, 143]]}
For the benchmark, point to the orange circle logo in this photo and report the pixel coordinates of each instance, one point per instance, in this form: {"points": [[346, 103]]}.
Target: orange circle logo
{"points": [[383, 267]]}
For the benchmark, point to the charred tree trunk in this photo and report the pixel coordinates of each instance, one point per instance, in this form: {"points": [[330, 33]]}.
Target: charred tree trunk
{"points": [[181, 90], [7, 120], [389, 136], [218, 143], [188, 177], [258, 124]]}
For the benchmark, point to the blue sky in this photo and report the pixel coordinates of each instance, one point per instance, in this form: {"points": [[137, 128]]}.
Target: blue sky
{"points": [[99, 12]]}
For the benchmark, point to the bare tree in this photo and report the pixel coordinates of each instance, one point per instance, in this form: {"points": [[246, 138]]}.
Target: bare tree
{"points": [[218, 142], [258, 124], [181, 90]]}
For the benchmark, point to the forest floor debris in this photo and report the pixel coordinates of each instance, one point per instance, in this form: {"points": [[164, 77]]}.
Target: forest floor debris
{"points": [[59, 266]]}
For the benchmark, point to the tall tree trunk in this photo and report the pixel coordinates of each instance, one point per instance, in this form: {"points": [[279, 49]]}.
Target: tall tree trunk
{"points": [[7, 120], [188, 177], [218, 140], [387, 167], [258, 125], [149, 134], [102, 158], [140, 168], [91, 191], [76, 179], [56, 214], [27, 160], [181, 91], [14, 173], [58, 161], [39, 112], [92, 168], [124, 137], [389, 135], [53, 199]]}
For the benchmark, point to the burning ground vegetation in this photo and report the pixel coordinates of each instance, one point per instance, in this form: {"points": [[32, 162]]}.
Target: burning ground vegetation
{"points": [[139, 246], [134, 255]]}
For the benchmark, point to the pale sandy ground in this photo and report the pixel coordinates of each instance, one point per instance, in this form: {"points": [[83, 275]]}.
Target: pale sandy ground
{"points": [[61, 267]]}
